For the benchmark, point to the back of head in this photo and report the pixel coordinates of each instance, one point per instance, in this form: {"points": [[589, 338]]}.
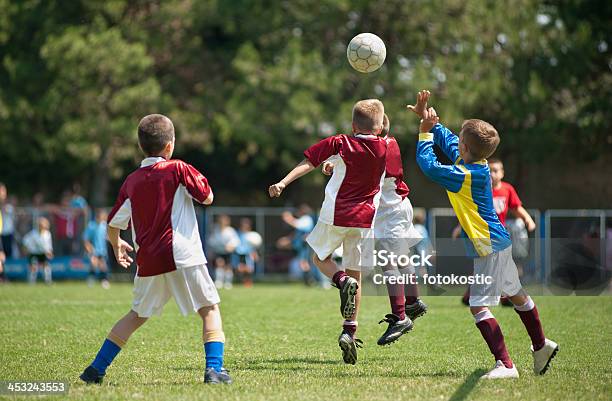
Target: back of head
{"points": [[386, 126], [480, 137], [155, 131], [368, 116]]}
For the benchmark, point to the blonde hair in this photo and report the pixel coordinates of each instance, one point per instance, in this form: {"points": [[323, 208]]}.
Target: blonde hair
{"points": [[480, 137], [368, 116]]}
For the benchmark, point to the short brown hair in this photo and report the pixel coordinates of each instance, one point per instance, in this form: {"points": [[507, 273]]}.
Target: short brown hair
{"points": [[480, 137], [386, 126], [368, 116], [155, 131], [495, 160]]}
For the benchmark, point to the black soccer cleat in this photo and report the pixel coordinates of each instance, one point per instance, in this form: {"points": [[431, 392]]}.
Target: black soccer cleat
{"points": [[211, 376], [349, 346], [417, 309], [348, 292], [396, 328], [91, 376]]}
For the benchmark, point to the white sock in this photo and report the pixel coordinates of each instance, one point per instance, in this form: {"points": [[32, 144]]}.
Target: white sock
{"points": [[47, 271], [526, 307], [219, 274]]}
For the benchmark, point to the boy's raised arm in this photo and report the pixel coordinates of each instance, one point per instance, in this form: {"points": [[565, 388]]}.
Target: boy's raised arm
{"points": [[451, 177], [443, 137]]}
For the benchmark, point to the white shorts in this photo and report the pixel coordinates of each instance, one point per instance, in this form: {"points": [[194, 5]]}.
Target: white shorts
{"points": [[393, 228], [357, 244], [191, 287], [504, 274]]}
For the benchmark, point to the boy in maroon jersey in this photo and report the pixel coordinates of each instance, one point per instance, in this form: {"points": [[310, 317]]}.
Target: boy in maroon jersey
{"points": [[351, 199], [394, 232], [157, 200]]}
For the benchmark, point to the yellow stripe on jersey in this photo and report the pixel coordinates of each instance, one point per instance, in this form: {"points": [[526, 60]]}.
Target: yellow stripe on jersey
{"points": [[466, 210], [0, 220], [426, 136]]}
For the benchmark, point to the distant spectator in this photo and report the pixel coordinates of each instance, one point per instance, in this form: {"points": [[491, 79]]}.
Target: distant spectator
{"points": [[94, 240], [65, 222], [223, 243], [7, 233], [39, 247], [246, 251], [303, 222]]}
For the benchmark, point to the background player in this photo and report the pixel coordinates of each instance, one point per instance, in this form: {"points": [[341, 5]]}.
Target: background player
{"points": [[157, 199], [39, 247], [347, 214], [94, 240], [468, 185]]}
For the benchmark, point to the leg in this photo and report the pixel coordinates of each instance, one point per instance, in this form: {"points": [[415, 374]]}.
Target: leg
{"points": [[116, 340], [33, 272], [47, 272], [328, 267], [213, 336], [492, 334]]}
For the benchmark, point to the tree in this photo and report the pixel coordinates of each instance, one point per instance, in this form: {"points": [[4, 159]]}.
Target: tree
{"points": [[103, 85]]}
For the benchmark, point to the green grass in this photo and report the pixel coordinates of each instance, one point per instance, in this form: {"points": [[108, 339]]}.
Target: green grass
{"points": [[281, 345]]}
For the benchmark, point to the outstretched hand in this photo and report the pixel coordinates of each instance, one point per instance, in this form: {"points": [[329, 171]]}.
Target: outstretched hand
{"points": [[429, 119], [421, 103]]}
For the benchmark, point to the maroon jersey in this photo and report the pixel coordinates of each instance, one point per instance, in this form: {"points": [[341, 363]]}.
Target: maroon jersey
{"points": [[157, 199], [353, 191], [504, 198], [394, 188]]}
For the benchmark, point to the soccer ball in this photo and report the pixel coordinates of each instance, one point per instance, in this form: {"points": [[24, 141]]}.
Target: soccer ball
{"points": [[366, 52]]}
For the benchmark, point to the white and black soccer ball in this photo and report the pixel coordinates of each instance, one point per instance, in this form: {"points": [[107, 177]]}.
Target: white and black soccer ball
{"points": [[366, 52]]}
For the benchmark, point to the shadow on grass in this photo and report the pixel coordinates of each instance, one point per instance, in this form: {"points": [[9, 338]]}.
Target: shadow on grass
{"points": [[464, 390]]}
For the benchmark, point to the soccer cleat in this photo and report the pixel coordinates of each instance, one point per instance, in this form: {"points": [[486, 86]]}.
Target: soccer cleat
{"points": [[211, 376], [500, 371], [91, 376], [348, 291], [417, 309], [349, 346], [395, 330], [543, 356]]}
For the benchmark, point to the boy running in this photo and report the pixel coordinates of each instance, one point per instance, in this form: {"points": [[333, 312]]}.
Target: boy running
{"points": [[468, 185], [351, 198], [394, 232], [157, 201]]}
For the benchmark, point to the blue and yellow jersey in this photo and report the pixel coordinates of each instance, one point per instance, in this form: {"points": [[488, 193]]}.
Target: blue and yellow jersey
{"points": [[469, 189]]}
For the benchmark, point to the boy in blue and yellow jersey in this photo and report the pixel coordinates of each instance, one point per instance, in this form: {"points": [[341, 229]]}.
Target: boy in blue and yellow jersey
{"points": [[468, 185]]}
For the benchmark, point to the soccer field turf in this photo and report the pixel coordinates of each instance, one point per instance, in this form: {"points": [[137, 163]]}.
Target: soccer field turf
{"points": [[281, 345]]}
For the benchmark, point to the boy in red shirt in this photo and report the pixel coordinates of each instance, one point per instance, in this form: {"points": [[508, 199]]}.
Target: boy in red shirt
{"points": [[157, 201], [351, 199]]}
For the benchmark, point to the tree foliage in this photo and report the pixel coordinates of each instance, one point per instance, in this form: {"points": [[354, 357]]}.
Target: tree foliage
{"points": [[250, 84]]}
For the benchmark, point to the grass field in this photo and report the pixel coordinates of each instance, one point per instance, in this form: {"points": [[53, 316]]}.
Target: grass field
{"points": [[282, 346]]}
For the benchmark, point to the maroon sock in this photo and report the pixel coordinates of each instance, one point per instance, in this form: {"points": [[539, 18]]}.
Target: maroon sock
{"points": [[492, 334], [350, 328], [531, 320], [397, 300], [339, 277], [412, 293]]}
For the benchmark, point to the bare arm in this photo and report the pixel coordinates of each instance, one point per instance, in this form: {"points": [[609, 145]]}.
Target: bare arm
{"points": [[120, 247], [522, 214], [303, 168]]}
